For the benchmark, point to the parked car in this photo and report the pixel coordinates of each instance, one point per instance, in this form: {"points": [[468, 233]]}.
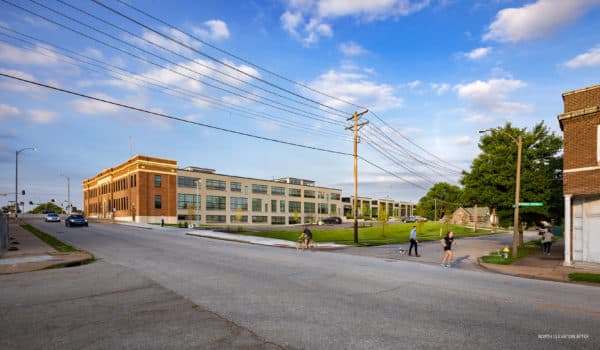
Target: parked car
{"points": [[409, 219], [332, 220], [75, 220], [52, 217]]}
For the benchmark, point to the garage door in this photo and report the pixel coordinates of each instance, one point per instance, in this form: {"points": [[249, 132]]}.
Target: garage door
{"points": [[592, 230]]}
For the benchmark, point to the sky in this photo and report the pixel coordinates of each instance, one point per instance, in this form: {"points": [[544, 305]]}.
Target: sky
{"points": [[263, 89]]}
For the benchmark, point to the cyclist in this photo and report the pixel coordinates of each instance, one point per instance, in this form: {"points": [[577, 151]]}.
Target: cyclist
{"points": [[307, 236]]}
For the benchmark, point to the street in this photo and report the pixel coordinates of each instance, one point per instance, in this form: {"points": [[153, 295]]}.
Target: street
{"points": [[326, 300]]}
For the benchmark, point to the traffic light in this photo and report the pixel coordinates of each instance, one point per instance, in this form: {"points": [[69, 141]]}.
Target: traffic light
{"points": [[52, 200], [23, 192], [30, 202]]}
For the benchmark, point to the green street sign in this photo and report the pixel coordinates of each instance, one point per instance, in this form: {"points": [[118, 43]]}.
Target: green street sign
{"points": [[530, 204]]}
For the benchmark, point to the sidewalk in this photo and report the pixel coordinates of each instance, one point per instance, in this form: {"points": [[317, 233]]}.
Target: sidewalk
{"points": [[33, 254], [540, 266], [258, 240]]}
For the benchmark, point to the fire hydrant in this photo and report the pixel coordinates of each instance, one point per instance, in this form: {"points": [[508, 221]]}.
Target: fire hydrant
{"points": [[505, 252]]}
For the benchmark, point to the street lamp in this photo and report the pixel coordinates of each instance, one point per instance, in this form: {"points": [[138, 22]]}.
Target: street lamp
{"points": [[17, 178], [68, 193], [519, 142]]}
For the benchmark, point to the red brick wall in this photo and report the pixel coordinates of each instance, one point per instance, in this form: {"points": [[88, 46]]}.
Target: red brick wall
{"points": [[583, 182], [580, 99]]}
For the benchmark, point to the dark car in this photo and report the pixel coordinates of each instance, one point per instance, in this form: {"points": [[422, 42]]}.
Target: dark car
{"points": [[409, 219], [332, 220], [75, 220]]}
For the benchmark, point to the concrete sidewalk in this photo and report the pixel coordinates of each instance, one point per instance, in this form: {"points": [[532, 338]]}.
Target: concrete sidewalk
{"points": [[33, 254], [258, 240]]}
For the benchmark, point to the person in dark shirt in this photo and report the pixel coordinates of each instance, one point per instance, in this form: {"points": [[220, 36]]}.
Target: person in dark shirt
{"points": [[447, 243], [307, 237]]}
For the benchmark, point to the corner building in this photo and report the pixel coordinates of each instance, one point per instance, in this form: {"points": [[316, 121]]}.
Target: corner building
{"points": [[580, 124], [202, 196]]}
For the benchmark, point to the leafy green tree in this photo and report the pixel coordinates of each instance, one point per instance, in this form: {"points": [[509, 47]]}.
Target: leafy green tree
{"points": [[366, 212], [383, 218], [442, 196], [491, 179], [47, 207]]}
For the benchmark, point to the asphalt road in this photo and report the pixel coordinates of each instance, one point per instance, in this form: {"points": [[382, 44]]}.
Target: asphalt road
{"points": [[323, 300]]}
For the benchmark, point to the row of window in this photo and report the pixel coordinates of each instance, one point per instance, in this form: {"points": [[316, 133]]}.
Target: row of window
{"points": [[115, 204], [191, 201], [115, 186], [221, 185], [244, 219]]}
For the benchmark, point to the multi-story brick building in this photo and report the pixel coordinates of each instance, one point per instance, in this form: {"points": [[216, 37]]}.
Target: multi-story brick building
{"points": [[146, 189], [580, 124]]}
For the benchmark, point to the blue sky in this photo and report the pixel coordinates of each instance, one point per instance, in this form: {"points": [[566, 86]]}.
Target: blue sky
{"points": [[433, 73]]}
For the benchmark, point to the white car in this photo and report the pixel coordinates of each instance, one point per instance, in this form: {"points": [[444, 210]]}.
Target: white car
{"points": [[52, 217]]}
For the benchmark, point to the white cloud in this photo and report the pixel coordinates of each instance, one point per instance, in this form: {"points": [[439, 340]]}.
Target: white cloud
{"points": [[491, 95], [41, 116], [15, 85], [356, 88], [477, 118], [414, 84], [369, 10], [39, 55], [159, 40], [589, 59], [213, 30], [464, 140], [440, 88], [319, 12], [478, 53], [93, 107], [535, 20], [7, 111]]}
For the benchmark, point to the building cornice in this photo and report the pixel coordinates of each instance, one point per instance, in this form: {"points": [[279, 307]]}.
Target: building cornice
{"points": [[575, 114]]}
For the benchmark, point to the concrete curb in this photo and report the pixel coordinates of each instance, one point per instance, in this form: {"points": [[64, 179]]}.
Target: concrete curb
{"points": [[59, 260], [506, 271]]}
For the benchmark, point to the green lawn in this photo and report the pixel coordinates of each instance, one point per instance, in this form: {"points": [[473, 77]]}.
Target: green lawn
{"points": [[50, 240], [394, 233], [585, 277], [522, 252]]}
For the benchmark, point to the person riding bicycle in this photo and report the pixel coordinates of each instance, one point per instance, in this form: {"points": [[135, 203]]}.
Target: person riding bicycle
{"points": [[307, 236]]}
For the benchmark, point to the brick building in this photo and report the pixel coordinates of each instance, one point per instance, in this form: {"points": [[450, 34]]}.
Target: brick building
{"points": [[580, 124]]}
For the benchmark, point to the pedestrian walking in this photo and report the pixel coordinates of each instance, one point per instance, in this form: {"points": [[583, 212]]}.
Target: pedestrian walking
{"points": [[447, 243], [547, 241], [162, 221], [413, 242]]}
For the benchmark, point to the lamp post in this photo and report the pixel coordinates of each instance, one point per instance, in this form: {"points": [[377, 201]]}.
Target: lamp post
{"points": [[197, 201], [519, 142], [68, 193], [17, 178]]}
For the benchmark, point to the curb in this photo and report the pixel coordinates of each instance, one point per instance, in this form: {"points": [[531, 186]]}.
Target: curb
{"points": [[62, 261], [276, 245], [490, 268]]}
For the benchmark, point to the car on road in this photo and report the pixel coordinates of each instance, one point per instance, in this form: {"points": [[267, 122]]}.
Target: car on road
{"points": [[332, 220], [75, 220], [52, 217], [409, 219]]}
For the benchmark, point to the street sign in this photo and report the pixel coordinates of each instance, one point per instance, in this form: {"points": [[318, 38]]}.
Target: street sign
{"points": [[530, 204]]}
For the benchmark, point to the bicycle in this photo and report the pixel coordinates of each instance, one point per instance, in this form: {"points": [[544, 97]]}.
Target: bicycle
{"points": [[300, 246]]}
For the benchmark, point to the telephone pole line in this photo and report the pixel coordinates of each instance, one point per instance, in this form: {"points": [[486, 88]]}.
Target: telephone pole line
{"points": [[356, 127]]}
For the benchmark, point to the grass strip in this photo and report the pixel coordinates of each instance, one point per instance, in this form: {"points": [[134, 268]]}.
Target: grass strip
{"points": [[496, 257], [585, 277], [50, 240]]}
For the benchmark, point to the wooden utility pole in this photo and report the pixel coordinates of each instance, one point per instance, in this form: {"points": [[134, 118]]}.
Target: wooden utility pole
{"points": [[355, 127], [516, 232]]}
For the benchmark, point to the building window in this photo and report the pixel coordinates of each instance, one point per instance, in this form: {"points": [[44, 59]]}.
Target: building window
{"points": [[309, 207], [333, 209], [234, 219], [294, 207], [189, 217], [157, 181], [335, 197], [294, 181], [256, 204], [246, 190], [188, 201], [157, 202], [215, 219], [260, 219], [294, 192], [309, 220], [278, 220], [273, 205], [218, 185], [282, 206], [215, 203], [277, 191], [189, 182], [323, 208], [321, 195], [240, 203], [260, 189], [294, 220], [235, 186], [309, 194]]}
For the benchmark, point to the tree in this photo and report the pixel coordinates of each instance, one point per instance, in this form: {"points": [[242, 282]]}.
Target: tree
{"points": [[383, 218], [45, 207], [442, 196], [366, 213], [491, 179]]}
